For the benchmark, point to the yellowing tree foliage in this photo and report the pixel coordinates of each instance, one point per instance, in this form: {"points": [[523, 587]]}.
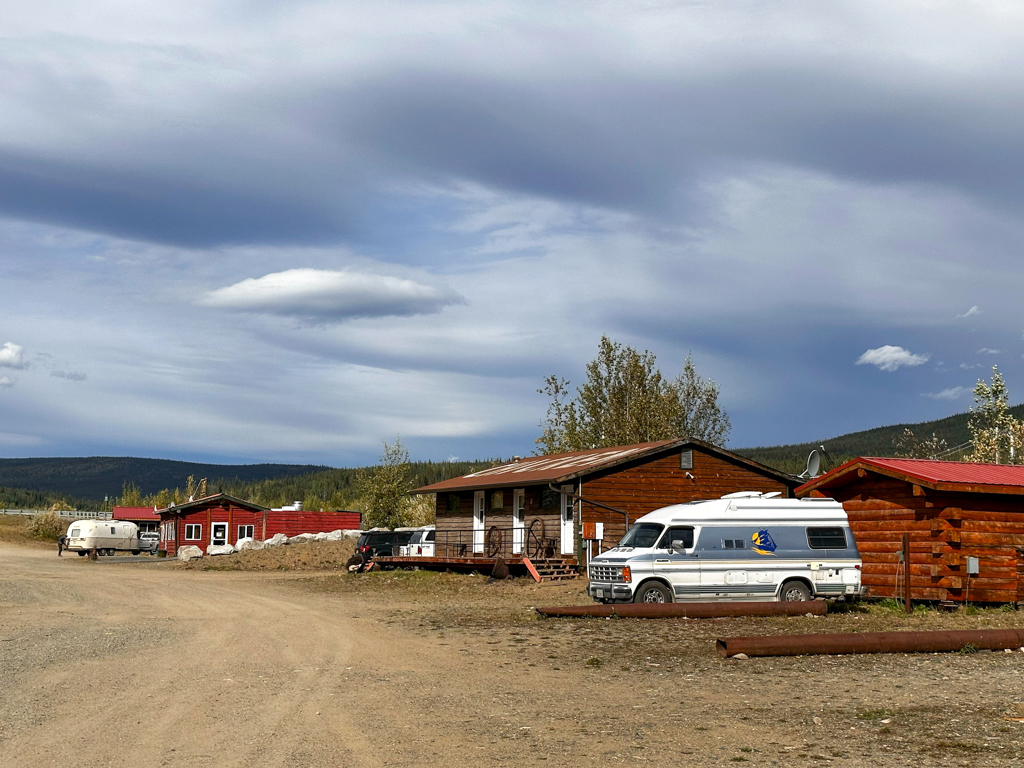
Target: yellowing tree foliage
{"points": [[626, 400]]}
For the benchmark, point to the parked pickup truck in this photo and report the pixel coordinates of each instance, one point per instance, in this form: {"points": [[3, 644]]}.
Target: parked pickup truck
{"points": [[149, 541], [421, 544]]}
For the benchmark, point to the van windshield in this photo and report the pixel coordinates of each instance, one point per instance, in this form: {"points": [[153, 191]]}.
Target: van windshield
{"points": [[642, 535]]}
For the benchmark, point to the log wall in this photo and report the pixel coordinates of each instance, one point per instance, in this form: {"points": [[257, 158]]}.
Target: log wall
{"points": [[945, 529]]}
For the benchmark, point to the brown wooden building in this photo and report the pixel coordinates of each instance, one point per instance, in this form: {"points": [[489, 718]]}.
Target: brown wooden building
{"points": [[555, 506], [954, 512]]}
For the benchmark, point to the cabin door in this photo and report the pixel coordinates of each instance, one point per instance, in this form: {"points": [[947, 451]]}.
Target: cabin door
{"points": [[219, 533], [518, 520], [479, 520], [568, 509]]}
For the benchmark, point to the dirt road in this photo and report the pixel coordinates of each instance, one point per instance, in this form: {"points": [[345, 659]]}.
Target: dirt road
{"points": [[122, 664]]}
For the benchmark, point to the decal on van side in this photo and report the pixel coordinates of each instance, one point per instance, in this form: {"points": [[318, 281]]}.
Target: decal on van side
{"points": [[764, 544]]}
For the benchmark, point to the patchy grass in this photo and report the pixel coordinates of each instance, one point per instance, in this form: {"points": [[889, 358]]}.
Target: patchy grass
{"points": [[15, 529]]}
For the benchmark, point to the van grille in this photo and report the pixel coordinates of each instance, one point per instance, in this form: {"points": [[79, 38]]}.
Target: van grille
{"points": [[605, 573]]}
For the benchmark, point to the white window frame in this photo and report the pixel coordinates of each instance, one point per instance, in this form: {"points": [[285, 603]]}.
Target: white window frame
{"points": [[479, 519], [198, 530], [246, 531], [518, 520]]}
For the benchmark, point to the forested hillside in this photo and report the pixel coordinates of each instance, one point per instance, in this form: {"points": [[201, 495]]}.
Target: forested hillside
{"points": [[871, 442]]}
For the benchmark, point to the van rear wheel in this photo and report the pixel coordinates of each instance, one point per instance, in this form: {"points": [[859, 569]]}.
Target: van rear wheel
{"points": [[794, 592], [653, 592]]}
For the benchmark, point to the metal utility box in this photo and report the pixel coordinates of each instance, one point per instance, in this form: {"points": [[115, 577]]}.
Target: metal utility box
{"points": [[972, 566]]}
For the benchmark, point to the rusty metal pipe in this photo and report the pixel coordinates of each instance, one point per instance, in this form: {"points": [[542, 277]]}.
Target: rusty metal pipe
{"points": [[871, 642], [688, 610]]}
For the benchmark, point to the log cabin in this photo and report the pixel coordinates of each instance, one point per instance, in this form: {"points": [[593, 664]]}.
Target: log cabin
{"points": [[953, 513], [573, 505]]}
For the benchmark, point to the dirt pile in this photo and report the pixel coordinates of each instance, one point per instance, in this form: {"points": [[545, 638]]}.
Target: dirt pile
{"points": [[310, 556]]}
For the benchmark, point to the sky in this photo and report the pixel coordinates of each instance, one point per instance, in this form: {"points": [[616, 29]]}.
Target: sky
{"points": [[249, 231]]}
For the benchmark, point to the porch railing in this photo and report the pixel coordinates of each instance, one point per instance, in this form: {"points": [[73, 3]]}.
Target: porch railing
{"points": [[496, 541]]}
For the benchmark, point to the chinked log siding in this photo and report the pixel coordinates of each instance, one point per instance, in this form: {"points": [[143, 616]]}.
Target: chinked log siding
{"points": [[945, 529]]}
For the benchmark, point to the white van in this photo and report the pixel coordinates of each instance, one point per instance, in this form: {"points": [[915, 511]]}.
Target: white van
{"points": [[744, 546], [105, 536]]}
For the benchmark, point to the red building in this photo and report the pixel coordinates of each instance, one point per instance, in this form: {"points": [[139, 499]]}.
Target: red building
{"points": [[147, 518], [965, 523], [223, 519]]}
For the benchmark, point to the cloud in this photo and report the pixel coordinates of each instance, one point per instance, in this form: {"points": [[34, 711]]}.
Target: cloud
{"points": [[889, 358], [987, 351], [69, 375], [953, 393], [6, 382], [966, 367], [972, 312], [332, 295], [12, 356]]}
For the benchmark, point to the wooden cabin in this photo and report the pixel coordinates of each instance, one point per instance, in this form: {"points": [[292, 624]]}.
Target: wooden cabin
{"points": [[953, 512], [223, 519], [571, 505]]}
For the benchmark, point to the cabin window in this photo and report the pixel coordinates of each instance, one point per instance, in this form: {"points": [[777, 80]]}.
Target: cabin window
{"points": [[683, 534], [497, 501], [832, 537], [193, 532], [733, 544], [453, 503], [246, 531]]}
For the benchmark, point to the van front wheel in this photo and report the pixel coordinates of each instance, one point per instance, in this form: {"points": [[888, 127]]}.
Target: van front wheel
{"points": [[653, 593], [795, 592]]}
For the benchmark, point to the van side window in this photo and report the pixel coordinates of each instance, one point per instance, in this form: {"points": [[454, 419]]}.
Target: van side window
{"points": [[678, 533], [832, 537], [429, 536], [733, 544]]}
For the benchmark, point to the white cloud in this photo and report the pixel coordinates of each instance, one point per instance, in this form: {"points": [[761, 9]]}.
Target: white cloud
{"points": [[332, 295], [889, 358], [12, 355], [966, 367], [6, 382], [987, 351], [953, 393], [973, 311]]}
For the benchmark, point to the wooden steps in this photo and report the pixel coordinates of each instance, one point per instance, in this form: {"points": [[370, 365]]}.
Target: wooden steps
{"points": [[551, 569]]}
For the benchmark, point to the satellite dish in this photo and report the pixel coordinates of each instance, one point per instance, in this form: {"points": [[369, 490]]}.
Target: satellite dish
{"points": [[813, 465]]}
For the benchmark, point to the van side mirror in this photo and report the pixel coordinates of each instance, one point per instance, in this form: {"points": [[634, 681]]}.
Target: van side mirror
{"points": [[679, 545]]}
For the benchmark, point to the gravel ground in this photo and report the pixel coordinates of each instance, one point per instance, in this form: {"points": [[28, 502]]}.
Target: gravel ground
{"points": [[186, 666]]}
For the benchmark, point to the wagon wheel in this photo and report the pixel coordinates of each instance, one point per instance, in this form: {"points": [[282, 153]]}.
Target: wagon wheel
{"points": [[534, 543], [494, 541]]}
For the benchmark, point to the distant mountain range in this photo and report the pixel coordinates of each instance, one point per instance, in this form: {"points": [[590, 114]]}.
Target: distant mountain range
{"points": [[96, 477], [85, 482]]}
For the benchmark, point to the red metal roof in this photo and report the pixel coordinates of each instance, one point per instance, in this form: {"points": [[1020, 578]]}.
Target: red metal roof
{"points": [[135, 513], [951, 475], [562, 467]]}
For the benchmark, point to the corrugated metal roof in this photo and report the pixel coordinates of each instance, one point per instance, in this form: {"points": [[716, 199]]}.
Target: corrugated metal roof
{"points": [[927, 471], [563, 467], [135, 513], [215, 497], [549, 469]]}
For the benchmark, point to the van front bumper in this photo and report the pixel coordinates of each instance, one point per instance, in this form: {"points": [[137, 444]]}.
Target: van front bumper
{"points": [[610, 593]]}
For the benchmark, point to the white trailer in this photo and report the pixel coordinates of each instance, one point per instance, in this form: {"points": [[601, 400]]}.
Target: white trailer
{"points": [[105, 536], [744, 546]]}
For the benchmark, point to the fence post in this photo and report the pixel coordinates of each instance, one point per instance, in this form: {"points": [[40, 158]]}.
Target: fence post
{"points": [[906, 572]]}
